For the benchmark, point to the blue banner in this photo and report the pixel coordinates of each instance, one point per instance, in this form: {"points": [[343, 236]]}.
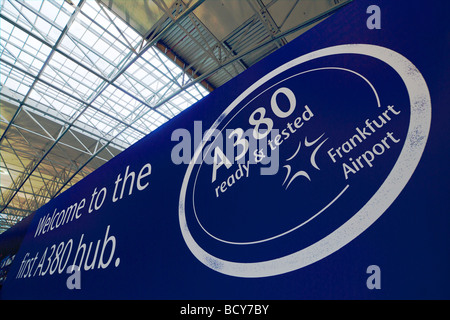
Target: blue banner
{"points": [[10, 242], [319, 173]]}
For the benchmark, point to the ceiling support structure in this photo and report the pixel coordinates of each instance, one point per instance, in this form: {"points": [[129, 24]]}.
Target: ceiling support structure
{"points": [[253, 49], [65, 176], [78, 130]]}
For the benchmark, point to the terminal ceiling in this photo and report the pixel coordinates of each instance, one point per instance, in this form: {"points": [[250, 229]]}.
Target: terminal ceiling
{"points": [[82, 80]]}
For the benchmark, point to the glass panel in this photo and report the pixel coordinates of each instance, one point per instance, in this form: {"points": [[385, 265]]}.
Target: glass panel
{"points": [[66, 95]]}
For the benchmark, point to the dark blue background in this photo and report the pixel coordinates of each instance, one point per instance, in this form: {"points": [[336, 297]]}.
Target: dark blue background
{"points": [[410, 242]]}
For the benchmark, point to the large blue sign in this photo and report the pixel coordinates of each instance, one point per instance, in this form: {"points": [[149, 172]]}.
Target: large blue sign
{"points": [[320, 172]]}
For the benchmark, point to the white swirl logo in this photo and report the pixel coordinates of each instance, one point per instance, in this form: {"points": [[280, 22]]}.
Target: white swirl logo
{"points": [[363, 149]]}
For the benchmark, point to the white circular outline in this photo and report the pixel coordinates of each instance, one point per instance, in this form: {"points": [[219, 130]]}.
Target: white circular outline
{"points": [[208, 136], [415, 141]]}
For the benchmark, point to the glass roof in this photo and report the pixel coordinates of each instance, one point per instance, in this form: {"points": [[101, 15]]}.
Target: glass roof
{"points": [[78, 85], [79, 65], [76, 80]]}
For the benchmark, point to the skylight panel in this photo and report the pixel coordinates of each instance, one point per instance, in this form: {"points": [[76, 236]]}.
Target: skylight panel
{"points": [[99, 123], [87, 56], [197, 91], [25, 15], [6, 27], [17, 37], [116, 103], [89, 38], [6, 73], [77, 29], [42, 25], [49, 10], [62, 19], [36, 4], [71, 77], [27, 52], [46, 97], [25, 57], [98, 43], [12, 84], [95, 45]]}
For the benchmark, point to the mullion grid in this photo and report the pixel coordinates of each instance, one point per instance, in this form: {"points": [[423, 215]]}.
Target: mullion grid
{"points": [[32, 16], [22, 81], [62, 104], [19, 48], [98, 45], [158, 95], [71, 77], [116, 103], [128, 128]]}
